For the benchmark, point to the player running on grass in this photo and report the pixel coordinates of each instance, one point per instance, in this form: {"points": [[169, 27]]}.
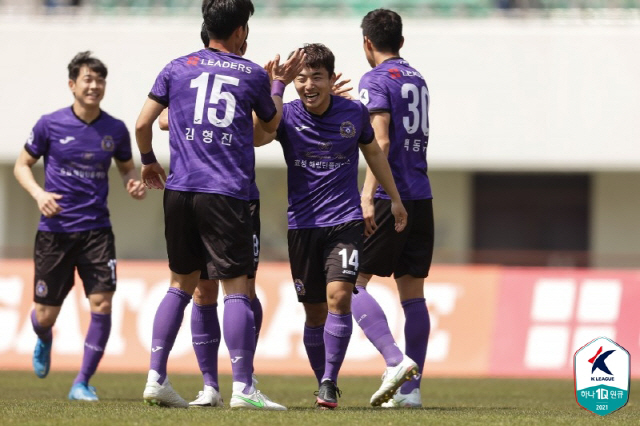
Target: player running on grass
{"points": [[78, 144]]}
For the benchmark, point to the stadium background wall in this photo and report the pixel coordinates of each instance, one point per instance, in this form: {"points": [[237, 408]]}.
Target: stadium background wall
{"points": [[557, 95], [486, 321]]}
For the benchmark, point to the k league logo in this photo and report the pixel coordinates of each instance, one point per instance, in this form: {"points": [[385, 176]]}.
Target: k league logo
{"points": [[602, 371]]}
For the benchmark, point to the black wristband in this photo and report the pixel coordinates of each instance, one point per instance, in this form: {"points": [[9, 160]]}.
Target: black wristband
{"points": [[148, 158]]}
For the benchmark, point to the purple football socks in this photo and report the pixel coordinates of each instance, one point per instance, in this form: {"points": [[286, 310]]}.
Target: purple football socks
{"points": [[416, 333], [313, 339], [205, 337], [166, 325], [239, 335], [44, 333], [94, 344], [370, 317], [337, 333]]}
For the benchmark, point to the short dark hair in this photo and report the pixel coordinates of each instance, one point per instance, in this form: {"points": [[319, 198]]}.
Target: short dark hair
{"points": [[317, 56], [384, 28], [204, 36], [85, 58], [222, 17]]}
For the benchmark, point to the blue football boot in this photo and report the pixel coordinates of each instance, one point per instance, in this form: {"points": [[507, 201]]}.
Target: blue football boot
{"points": [[42, 358], [83, 392]]}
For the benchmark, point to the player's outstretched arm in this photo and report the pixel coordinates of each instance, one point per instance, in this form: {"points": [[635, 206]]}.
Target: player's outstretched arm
{"points": [[132, 184], [46, 200], [152, 174], [281, 76], [379, 167]]}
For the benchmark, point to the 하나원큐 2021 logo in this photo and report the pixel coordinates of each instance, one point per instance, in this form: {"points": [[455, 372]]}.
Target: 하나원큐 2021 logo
{"points": [[601, 371]]}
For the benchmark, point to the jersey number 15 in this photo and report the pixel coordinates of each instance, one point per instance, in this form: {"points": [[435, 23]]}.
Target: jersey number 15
{"points": [[201, 83]]}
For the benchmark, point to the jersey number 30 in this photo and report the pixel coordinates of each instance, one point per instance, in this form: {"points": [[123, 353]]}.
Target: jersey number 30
{"points": [[201, 83], [418, 108]]}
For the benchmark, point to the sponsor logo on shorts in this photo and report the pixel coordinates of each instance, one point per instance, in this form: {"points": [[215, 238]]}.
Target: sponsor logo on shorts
{"points": [[299, 285], [348, 272], [41, 288]]}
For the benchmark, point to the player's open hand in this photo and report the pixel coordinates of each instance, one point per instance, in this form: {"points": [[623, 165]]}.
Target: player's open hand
{"points": [[136, 189], [290, 69], [339, 87], [47, 203], [153, 176], [400, 214], [369, 215]]}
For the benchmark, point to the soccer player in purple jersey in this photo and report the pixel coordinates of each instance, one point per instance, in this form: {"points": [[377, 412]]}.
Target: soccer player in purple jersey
{"points": [[398, 101], [205, 326], [320, 135], [78, 144], [211, 94]]}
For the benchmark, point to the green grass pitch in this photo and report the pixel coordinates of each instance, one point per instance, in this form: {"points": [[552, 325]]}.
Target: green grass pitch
{"points": [[27, 400]]}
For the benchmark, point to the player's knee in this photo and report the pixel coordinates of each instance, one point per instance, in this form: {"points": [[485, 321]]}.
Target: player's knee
{"points": [[47, 318], [339, 302], [100, 303]]}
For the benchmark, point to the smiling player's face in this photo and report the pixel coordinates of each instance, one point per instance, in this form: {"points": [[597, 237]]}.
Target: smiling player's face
{"points": [[88, 88], [314, 88]]}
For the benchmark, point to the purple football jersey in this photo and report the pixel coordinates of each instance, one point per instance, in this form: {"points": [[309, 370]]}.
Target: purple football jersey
{"points": [[211, 95], [321, 152], [397, 88], [77, 157]]}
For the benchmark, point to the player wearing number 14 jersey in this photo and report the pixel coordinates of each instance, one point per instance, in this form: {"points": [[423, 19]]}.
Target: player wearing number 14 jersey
{"points": [[320, 136], [398, 101], [211, 95]]}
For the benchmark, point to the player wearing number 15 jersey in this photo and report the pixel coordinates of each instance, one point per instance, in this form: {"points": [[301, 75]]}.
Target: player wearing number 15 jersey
{"points": [[211, 95], [398, 101], [320, 136]]}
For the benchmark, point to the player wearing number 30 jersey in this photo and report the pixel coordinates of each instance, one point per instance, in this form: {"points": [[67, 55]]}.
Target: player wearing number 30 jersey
{"points": [[398, 101]]}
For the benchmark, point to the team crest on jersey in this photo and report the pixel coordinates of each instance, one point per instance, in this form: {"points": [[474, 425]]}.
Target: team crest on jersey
{"points": [[299, 285], [41, 288], [107, 143], [347, 130]]}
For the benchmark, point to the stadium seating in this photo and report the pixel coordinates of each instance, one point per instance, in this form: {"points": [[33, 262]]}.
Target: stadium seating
{"points": [[350, 8]]}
